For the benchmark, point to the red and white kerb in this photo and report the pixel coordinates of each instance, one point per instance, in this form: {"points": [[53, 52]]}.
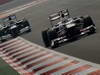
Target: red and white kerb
{"points": [[30, 59]]}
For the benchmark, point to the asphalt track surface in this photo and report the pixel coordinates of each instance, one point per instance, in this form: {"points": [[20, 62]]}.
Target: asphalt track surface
{"points": [[8, 4], [87, 48]]}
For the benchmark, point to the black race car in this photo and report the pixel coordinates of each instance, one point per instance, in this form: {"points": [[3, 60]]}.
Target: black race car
{"points": [[64, 28], [10, 27]]}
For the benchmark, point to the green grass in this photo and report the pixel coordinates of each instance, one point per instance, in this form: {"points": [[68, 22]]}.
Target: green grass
{"points": [[5, 69]]}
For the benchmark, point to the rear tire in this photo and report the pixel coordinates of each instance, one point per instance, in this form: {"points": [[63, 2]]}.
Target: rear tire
{"points": [[45, 38]]}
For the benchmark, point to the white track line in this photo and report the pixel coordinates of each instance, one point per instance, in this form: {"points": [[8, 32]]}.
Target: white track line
{"points": [[19, 41], [69, 68], [54, 66], [41, 58], [48, 61], [20, 8], [30, 69], [86, 72]]}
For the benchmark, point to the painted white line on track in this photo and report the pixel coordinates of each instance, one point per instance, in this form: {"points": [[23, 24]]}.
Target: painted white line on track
{"points": [[86, 72], [35, 55], [54, 66], [29, 50], [19, 46], [21, 71], [39, 59], [11, 48], [69, 68], [11, 45], [48, 61], [20, 8]]}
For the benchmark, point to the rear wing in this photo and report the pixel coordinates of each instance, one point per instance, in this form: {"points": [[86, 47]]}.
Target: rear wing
{"points": [[56, 16], [7, 19], [11, 17]]}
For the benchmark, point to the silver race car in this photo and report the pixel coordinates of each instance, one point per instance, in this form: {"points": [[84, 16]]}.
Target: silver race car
{"points": [[10, 27], [65, 28]]}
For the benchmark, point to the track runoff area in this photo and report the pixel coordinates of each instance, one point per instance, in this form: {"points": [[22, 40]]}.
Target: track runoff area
{"points": [[31, 59]]}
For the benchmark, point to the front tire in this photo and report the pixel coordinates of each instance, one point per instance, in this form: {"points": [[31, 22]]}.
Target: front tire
{"points": [[88, 21], [92, 30], [45, 38], [56, 44]]}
